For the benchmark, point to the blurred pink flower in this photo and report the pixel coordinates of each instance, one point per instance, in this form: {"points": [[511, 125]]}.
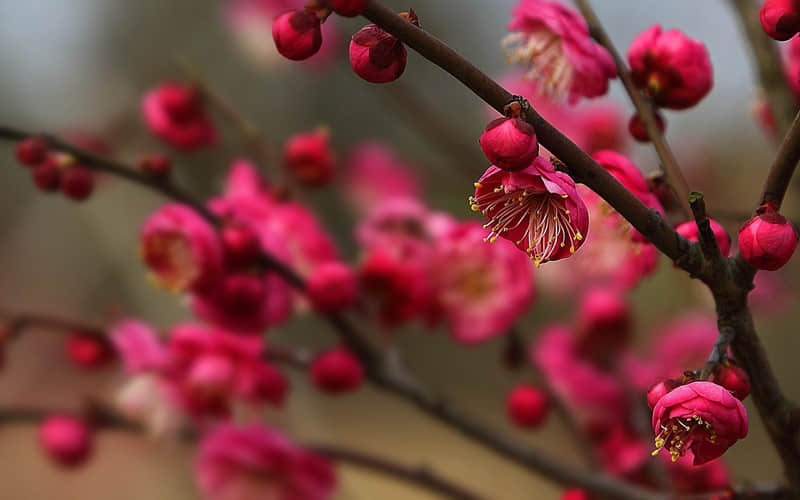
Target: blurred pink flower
{"points": [[375, 173], [138, 345], [482, 289], [552, 41], [181, 248], [243, 463], [174, 112]]}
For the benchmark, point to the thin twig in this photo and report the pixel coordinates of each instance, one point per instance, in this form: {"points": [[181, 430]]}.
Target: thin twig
{"points": [[644, 108], [708, 242], [768, 62], [783, 167]]}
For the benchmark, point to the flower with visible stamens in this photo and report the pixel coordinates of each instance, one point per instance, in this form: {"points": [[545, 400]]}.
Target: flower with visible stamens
{"points": [[553, 42], [701, 417], [537, 208]]}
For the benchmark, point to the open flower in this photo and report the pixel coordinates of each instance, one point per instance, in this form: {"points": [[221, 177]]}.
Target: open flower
{"points": [[237, 463], [537, 208], [702, 417], [553, 41]]}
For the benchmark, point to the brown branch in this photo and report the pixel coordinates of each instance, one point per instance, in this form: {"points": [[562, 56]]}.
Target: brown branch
{"points": [[580, 165], [783, 167], [16, 322], [770, 70], [644, 108], [708, 242], [103, 418], [389, 376]]}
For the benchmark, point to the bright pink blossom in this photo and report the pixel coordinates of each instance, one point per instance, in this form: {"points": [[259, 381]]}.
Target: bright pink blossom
{"points": [[538, 209], [235, 463], [701, 417], [509, 143], [689, 231], [553, 42], [67, 440], [174, 112], [673, 69], [138, 345], [482, 290], [181, 248], [768, 240], [376, 56]]}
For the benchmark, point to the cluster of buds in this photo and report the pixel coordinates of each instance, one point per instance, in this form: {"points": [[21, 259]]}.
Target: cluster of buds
{"points": [[54, 171], [780, 18], [671, 69]]}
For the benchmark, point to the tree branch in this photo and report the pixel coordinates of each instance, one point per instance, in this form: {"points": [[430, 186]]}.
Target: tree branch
{"points": [[385, 375], [644, 108], [768, 64], [580, 165]]}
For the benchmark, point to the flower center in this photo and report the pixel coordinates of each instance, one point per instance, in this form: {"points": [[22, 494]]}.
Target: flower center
{"points": [[540, 219], [678, 433], [542, 51], [170, 256]]}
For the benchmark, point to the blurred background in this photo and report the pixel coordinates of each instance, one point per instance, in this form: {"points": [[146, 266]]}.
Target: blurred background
{"points": [[81, 66]]}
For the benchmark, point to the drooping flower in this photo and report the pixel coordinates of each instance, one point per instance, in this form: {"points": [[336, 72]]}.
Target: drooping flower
{"points": [[174, 112], [181, 248], [553, 42], [768, 240], [673, 69], [701, 417], [482, 290], [538, 209], [238, 463]]}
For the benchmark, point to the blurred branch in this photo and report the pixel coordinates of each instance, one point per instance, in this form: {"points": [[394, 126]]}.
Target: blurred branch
{"points": [[391, 376], [782, 170], [103, 418], [768, 63], [644, 108], [16, 322]]}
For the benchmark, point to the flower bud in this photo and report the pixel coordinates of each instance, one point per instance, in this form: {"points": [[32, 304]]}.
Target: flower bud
{"points": [[527, 406], [575, 494], [658, 390], [336, 371], [376, 56], [89, 351], [639, 131], [175, 113], [66, 439], [309, 157], [780, 18], [31, 151], [47, 175], [77, 183], [155, 165], [768, 240], [510, 143], [732, 377], [347, 8], [297, 34], [241, 244], [332, 287], [689, 231], [673, 69]]}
